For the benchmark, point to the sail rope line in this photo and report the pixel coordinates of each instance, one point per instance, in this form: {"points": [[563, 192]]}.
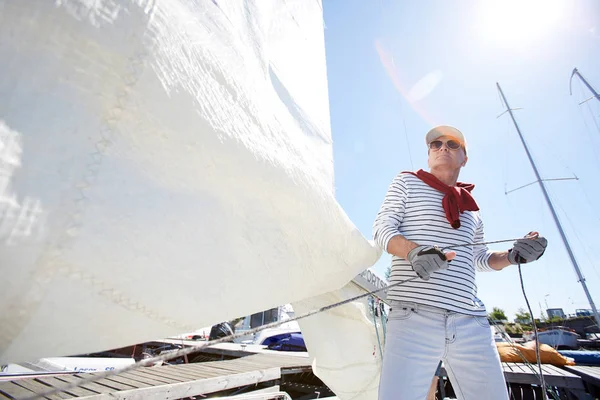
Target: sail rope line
{"points": [[535, 332], [539, 374], [96, 376], [374, 310]]}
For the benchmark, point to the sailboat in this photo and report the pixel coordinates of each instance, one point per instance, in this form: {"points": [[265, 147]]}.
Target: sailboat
{"points": [[557, 336], [168, 165]]}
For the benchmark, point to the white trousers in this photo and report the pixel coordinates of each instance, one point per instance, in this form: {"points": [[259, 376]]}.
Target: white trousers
{"points": [[418, 337]]}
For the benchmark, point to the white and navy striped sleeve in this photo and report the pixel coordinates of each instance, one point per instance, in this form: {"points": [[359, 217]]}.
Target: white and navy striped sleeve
{"points": [[391, 213], [481, 253]]}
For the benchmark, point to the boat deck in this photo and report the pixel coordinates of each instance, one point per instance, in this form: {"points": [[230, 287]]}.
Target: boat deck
{"points": [[164, 382]]}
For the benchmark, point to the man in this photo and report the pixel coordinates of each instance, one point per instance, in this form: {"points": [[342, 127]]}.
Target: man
{"points": [[438, 315]]}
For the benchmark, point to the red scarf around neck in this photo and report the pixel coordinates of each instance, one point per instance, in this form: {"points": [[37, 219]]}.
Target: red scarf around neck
{"points": [[457, 200]]}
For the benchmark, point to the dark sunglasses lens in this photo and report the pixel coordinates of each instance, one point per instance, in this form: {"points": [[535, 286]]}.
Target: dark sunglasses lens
{"points": [[453, 144], [436, 144]]}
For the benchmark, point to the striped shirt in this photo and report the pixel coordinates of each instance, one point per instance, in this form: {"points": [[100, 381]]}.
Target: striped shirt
{"points": [[413, 209]]}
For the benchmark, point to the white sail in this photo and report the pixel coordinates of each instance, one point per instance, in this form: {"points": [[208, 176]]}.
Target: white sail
{"points": [[164, 165], [346, 342]]}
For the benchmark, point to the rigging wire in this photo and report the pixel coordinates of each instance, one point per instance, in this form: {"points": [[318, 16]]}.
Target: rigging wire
{"points": [[535, 331], [593, 117], [588, 129], [518, 351]]}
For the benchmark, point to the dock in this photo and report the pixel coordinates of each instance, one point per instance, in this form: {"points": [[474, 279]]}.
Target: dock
{"points": [[590, 376], [519, 374], [236, 368], [166, 382]]}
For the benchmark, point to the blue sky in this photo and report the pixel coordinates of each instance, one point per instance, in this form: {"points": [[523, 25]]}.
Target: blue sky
{"points": [[397, 68]]}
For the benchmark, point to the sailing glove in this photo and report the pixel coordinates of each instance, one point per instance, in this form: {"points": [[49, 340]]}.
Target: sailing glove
{"points": [[425, 260], [527, 249]]}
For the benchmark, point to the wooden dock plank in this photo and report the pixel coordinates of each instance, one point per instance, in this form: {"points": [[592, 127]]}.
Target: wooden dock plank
{"points": [[141, 379], [111, 384], [56, 383], [553, 376], [253, 368], [193, 388], [173, 377], [145, 375], [197, 370], [588, 373], [163, 374], [14, 390], [127, 381], [176, 372], [64, 380], [38, 387], [149, 377], [206, 371], [508, 366]]}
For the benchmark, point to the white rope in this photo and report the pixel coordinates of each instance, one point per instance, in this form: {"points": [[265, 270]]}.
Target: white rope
{"points": [[480, 243]]}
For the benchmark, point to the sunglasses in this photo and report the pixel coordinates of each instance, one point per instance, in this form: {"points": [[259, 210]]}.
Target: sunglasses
{"points": [[451, 144]]}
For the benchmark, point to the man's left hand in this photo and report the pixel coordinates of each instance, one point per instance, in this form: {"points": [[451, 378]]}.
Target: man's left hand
{"points": [[527, 249]]}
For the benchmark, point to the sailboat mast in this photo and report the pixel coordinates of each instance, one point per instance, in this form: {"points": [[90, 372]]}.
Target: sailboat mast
{"points": [[585, 82], [580, 277]]}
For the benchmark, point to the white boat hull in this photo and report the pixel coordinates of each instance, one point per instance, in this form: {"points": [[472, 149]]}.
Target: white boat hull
{"points": [[556, 338]]}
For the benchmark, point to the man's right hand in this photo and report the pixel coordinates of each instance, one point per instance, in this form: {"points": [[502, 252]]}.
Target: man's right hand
{"points": [[425, 260]]}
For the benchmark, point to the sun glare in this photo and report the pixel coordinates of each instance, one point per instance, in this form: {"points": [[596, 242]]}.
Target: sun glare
{"points": [[517, 23]]}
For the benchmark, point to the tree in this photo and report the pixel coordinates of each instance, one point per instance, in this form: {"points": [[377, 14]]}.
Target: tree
{"points": [[388, 273], [522, 316], [497, 314]]}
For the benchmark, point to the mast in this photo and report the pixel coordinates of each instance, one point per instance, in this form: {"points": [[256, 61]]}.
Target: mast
{"points": [[580, 277], [576, 72]]}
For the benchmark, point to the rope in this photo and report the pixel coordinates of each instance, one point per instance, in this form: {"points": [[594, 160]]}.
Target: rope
{"points": [[377, 329], [535, 332], [383, 321], [479, 244]]}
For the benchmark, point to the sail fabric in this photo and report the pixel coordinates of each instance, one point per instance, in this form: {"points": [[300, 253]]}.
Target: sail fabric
{"points": [[346, 342], [165, 165]]}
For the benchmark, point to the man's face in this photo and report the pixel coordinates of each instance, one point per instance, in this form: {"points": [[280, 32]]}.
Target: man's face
{"points": [[445, 156]]}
